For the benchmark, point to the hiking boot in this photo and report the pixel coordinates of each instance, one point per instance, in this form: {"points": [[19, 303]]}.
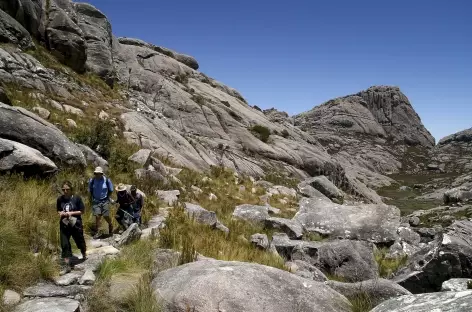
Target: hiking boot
{"points": [[65, 269], [84, 256]]}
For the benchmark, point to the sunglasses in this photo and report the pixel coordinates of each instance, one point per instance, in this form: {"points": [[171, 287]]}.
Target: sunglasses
{"points": [[66, 189]]}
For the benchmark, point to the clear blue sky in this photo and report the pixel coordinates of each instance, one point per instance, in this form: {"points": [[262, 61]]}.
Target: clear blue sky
{"points": [[295, 55]]}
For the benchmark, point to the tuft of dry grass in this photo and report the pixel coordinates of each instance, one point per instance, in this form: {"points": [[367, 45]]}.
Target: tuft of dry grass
{"points": [[388, 266]]}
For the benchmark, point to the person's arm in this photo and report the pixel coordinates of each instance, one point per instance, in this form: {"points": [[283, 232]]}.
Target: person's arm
{"points": [[110, 187], [80, 205]]}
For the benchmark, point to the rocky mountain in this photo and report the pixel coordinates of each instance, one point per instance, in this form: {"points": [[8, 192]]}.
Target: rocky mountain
{"points": [[63, 72]]}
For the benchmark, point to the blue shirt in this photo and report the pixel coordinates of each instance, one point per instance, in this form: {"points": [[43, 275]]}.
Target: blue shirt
{"points": [[100, 188]]}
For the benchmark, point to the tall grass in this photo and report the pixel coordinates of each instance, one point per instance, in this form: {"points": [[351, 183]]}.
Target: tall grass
{"points": [[388, 266]]}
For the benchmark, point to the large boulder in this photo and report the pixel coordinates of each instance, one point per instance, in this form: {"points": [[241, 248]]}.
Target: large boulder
{"points": [[17, 157], [64, 38], [448, 256], [92, 157], [212, 286], [456, 284], [98, 39], [377, 223], [377, 290], [252, 213], [203, 216], [458, 194], [17, 124], [440, 302], [293, 228], [453, 153], [12, 32]]}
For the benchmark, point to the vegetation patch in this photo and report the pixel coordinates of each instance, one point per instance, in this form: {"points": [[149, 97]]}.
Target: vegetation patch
{"points": [[361, 302], [261, 132], [388, 266]]}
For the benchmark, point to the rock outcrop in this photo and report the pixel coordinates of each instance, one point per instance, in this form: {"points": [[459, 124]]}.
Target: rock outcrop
{"points": [[211, 286], [453, 153], [19, 125], [12, 32]]}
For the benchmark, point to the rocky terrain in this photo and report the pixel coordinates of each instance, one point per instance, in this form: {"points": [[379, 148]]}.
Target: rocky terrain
{"points": [[347, 207]]}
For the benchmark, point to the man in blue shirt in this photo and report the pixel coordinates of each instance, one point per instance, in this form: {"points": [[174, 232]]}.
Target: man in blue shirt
{"points": [[101, 187]]}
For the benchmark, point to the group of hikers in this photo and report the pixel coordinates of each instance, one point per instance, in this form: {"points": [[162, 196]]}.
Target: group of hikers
{"points": [[70, 208]]}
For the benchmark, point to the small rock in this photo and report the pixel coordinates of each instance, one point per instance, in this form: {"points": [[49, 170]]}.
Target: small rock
{"points": [[103, 116], [42, 112], [196, 190], [67, 279], [260, 241], [46, 290], [49, 305], [10, 297], [71, 123], [73, 110], [212, 197], [414, 221], [106, 251], [242, 189], [141, 157], [85, 104], [88, 278], [132, 233], [405, 188], [56, 105], [292, 228], [169, 197]]}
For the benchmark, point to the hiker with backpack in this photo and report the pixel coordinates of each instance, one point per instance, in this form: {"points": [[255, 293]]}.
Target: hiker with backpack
{"points": [[70, 208], [124, 214], [100, 188], [138, 204]]}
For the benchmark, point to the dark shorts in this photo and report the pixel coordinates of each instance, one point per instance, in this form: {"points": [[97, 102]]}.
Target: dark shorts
{"points": [[101, 208]]}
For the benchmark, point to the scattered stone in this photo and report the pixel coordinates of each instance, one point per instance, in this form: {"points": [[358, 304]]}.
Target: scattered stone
{"points": [[42, 112], [414, 221], [153, 226], [93, 158], [56, 105], [71, 123], [49, 305], [203, 216], [252, 213], [73, 110], [326, 187], [10, 298], [132, 234], [67, 279], [282, 190], [377, 290], [143, 174], [141, 157], [405, 188], [293, 228], [409, 236], [211, 285], [260, 240], [88, 278], [169, 197], [45, 290], [306, 270], [105, 251], [196, 190], [103, 115], [212, 197], [441, 302], [242, 189]]}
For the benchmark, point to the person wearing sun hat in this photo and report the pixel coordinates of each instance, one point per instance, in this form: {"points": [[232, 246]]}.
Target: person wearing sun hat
{"points": [[124, 214], [100, 188]]}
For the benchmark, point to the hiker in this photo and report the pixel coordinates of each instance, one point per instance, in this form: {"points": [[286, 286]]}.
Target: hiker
{"points": [[100, 188], [138, 204], [124, 214], [70, 208]]}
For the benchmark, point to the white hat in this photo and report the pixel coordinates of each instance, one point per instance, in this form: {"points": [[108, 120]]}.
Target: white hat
{"points": [[121, 187], [98, 170]]}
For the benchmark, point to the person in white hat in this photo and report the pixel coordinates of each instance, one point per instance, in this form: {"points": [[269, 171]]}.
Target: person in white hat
{"points": [[100, 188], [124, 214]]}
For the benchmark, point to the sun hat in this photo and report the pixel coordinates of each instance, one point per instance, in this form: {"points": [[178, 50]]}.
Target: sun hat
{"points": [[121, 187], [98, 170]]}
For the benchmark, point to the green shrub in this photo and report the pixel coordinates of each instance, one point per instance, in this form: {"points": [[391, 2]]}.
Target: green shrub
{"points": [[261, 132], [361, 302], [182, 78], [388, 266], [235, 116], [197, 98], [257, 108], [285, 133], [98, 137]]}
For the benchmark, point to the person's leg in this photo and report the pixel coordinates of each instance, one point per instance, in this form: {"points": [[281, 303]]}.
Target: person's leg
{"points": [[66, 248], [97, 212], [78, 236], [106, 216]]}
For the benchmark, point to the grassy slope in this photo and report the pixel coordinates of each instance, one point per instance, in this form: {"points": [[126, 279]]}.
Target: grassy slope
{"points": [[29, 222]]}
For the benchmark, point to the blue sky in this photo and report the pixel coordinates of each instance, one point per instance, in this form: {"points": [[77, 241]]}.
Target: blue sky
{"points": [[298, 54]]}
